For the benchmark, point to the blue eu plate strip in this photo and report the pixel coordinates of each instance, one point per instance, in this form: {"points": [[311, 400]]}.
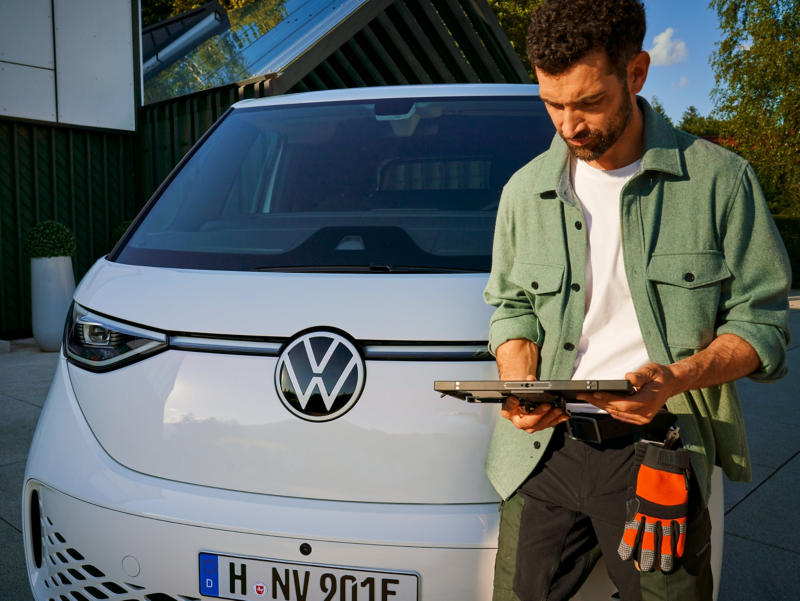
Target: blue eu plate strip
{"points": [[209, 575]]}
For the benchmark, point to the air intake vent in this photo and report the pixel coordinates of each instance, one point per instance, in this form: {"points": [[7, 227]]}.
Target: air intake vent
{"points": [[96, 592], [93, 571], [36, 529], [66, 574], [114, 588]]}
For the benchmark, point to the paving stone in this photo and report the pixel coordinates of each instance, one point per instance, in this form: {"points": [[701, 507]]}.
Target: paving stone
{"points": [[16, 429], [736, 491], [33, 392], [771, 443], [777, 401], [755, 572], [763, 516], [11, 480], [26, 345], [13, 574], [26, 372], [794, 323]]}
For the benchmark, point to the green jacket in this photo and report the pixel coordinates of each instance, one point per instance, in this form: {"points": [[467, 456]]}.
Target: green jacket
{"points": [[691, 208]]}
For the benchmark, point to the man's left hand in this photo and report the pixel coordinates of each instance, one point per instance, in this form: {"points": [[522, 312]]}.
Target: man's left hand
{"points": [[655, 384]]}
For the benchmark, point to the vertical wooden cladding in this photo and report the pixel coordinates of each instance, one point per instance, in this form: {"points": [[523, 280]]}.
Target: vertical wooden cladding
{"points": [[81, 178], [421, 42]]}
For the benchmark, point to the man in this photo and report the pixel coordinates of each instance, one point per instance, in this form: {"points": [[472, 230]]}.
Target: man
{"points": [[628, 250]]}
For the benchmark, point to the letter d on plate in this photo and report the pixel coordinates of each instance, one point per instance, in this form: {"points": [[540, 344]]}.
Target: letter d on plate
{"points": [[209, 575]]}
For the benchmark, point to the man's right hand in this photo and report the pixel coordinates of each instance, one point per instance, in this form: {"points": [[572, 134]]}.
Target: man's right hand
{"points": [[517, 360], [541, 417]]}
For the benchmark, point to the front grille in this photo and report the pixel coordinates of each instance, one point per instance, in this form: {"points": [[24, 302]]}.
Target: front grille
{"points": [[68, 575]]}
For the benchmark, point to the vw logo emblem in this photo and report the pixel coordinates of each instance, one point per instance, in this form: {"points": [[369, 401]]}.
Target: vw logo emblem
{"points": [[320, 376]]}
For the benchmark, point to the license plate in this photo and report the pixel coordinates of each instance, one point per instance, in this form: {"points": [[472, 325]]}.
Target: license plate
{"points": [[234, 577]]}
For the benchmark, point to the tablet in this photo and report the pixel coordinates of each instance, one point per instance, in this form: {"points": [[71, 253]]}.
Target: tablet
{"points": [[531, 393]]}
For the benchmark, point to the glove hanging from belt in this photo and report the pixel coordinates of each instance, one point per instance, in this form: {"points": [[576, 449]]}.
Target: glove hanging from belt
{"points": [[658, 503]]}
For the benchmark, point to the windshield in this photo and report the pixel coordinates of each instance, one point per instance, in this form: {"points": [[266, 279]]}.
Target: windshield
{"points": [[381, 185]]}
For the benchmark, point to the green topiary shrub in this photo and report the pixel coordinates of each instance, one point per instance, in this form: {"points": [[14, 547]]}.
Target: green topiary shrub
{"points": [[789, 228], [49, 239], [118, 232]]}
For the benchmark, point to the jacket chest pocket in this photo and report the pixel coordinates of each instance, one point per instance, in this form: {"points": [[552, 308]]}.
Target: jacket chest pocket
{"points": [[541, 284], [688, 287]]}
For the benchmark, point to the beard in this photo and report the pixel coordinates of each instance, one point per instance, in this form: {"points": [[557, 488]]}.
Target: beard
{"points": [[602, 140]]}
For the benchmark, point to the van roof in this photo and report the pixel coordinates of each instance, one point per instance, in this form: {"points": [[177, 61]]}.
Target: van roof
{"points": [[381, 92]]}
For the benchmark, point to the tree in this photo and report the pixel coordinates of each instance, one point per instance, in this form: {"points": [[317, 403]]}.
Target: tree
{"points": [[757, 93], [694, 123], [690, 115], [515, 18], [154, 11], [659, 108], [181, 6]]}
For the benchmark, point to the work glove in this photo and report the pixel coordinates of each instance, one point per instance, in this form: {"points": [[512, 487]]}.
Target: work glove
{"points": [[658, 503]]}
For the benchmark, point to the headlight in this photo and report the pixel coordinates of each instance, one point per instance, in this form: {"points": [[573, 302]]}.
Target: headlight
{"points": [[99, 344]]}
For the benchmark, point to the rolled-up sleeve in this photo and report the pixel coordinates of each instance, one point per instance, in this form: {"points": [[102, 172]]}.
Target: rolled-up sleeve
{"points": [[514, 317], [754, 303]]}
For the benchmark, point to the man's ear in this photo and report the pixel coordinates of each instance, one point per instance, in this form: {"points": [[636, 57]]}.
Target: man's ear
{"points": [[637, 71]]}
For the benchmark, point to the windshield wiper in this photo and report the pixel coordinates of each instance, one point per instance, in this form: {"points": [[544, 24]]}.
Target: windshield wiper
{"points": [[372, 268], [379, 268]]}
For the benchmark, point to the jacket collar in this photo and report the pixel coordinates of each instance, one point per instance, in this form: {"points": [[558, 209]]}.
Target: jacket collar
{"points": [[660, 153]]}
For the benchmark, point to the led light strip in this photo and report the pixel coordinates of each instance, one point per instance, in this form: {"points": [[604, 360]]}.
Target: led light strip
{"points": [[373, 349], [423, 352], [91, 318], [197, 343]]}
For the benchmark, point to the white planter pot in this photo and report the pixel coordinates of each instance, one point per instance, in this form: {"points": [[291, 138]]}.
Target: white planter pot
{"points": [[52, 286]]}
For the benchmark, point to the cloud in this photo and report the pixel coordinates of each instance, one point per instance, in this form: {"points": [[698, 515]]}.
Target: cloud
{"points": [[666, 51], [681, 83]]}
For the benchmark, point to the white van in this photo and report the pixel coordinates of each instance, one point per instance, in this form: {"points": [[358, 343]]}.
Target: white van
{"points": [[244, 405]]}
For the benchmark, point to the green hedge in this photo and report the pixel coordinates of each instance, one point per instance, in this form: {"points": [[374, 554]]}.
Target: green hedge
{"points": [[789, 227]]}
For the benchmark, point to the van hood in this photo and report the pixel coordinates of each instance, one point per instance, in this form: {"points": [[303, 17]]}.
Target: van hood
{"points": [[410, 307], [217, 419]]}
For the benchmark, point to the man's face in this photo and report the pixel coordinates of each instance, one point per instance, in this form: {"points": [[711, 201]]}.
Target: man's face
{"points": [[588, 104]]}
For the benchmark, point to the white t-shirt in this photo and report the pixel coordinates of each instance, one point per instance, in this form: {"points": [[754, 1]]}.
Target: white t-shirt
{"points": [[611, 343]]}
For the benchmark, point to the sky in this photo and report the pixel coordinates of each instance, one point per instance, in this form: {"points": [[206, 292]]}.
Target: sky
{"points": [[680, 39]]}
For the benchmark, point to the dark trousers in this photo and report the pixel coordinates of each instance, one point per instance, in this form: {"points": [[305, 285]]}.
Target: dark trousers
{"points": [[574, 503]]}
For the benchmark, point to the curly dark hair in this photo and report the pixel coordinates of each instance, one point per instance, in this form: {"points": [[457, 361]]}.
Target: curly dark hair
{"points": [[564, 31]]}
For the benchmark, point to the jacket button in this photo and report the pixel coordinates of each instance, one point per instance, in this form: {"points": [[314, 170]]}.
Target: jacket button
{"points": [[537, 445], [689, 277], [535, 285], [569, 346], [578, 225], [576, 287]]}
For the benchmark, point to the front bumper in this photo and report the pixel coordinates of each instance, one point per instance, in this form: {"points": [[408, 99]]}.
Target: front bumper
{"points": [[140, 536], [89, 548]]}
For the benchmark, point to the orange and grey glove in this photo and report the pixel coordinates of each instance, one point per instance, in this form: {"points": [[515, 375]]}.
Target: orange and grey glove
{"points": [[655, 530]]}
